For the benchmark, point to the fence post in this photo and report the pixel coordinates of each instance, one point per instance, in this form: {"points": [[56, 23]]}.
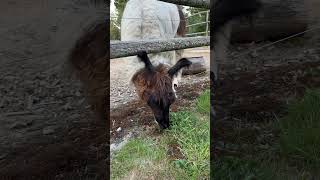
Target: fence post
{"points": [[207, 23]]}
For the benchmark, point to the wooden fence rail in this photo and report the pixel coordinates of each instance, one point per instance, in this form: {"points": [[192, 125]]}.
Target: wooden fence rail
{"points": [[194, 3], [120, 49]]}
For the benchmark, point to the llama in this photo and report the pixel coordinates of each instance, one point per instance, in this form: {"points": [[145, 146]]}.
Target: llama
{"points": [[152, 19], [88, 59], [154, 86]]}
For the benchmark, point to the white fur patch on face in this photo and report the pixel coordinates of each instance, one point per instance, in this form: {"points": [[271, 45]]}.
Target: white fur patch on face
{"points": [[154, 118], [175, 81], [174, 90]]}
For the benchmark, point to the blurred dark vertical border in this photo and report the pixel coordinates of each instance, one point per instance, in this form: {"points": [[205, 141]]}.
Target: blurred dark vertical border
{"points": [[212, 89], [48, 129]]}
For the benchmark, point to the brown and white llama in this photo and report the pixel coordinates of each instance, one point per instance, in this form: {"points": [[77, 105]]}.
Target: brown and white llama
{"points": [[154, 86], [153, 83], [89, 59]]}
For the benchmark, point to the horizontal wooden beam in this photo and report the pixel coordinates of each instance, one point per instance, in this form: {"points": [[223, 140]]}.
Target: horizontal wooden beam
{"points": [[120, 49], [193, 3]]}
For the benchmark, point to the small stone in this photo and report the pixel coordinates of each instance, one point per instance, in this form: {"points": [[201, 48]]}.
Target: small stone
{"points": [[48, 130], [2, 156], [23, 124], [119, 129], [67, 106], [270, 48], [78, 94], [254, 54], [112, 147]]}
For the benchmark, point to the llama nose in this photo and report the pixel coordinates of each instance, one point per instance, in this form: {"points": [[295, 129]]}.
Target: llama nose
{"points": [[175, 85]]}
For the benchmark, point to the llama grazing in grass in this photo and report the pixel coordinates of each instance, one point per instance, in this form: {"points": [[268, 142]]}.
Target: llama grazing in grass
{"points": [[152, 19], [154, 86], [88, 58], [153, 83]]}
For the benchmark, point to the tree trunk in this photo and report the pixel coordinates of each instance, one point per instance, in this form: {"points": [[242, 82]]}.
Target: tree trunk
{"points": [[278, 19]]}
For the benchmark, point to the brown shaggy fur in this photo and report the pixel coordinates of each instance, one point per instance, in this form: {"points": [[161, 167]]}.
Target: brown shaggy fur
{"points": [[89, 59], [157, 83]]}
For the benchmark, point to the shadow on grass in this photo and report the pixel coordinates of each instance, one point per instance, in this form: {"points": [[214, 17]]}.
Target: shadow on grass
{"points": [[295, 153]]}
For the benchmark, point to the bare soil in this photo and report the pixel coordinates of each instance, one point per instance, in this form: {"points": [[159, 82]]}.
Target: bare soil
{"points": [[47, 130], [255, 90]]}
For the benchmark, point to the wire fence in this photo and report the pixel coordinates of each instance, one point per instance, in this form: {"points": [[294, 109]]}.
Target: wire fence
{"points": [[206, 22]]}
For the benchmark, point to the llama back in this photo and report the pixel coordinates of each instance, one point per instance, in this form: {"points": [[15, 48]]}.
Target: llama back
{"points": [[150, 19], [134, 64]]}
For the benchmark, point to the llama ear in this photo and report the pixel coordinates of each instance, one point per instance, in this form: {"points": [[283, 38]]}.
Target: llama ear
{"points": [[142, 55], [145, 59], [178, 66]]}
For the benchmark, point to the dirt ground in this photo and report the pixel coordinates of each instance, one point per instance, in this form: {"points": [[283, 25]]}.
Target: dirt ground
{"points": [[255, 91], [46, 128]]}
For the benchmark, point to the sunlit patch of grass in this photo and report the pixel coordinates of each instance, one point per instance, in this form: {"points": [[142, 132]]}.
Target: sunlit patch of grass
{"points": [[191, 131], [139, 154], [147, 157], [192, 134], [203, 102]]}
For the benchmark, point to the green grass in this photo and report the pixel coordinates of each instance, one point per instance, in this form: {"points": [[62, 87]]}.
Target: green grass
{"points": [[232, 168], [300, 137], [235, 168], [147, 157], [203, 102], [138, 153], [192, 134], [295, 153]]}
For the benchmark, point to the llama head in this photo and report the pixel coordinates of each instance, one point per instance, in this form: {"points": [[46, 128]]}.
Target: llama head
{"points": [[154, 86]]}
